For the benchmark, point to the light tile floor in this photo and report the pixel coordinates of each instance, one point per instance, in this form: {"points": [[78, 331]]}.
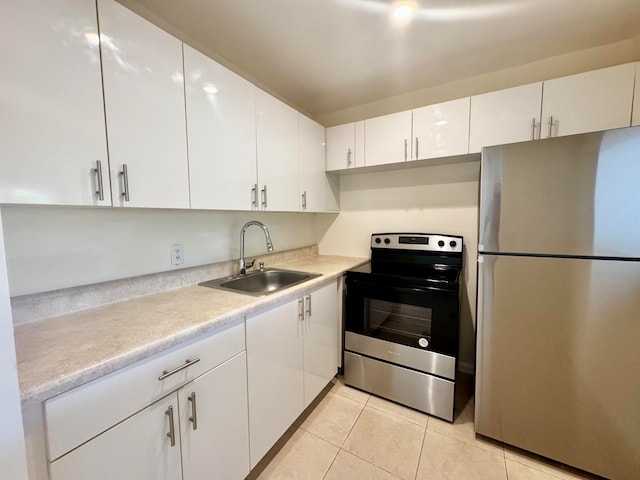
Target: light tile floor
{"points": [[353, 435]]}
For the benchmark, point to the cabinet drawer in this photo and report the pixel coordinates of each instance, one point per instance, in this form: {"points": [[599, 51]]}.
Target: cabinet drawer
{"points": [[82, 413]]}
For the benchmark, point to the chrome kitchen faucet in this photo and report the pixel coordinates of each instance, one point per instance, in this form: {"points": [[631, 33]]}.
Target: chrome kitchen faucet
{"points": [[243, 265]]}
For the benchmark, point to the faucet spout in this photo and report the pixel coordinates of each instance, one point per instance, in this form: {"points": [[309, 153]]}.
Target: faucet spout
{"points": [[243, 265]]}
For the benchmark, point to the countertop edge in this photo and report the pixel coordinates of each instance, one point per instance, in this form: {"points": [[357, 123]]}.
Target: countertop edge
{"points": [[57, 386]]}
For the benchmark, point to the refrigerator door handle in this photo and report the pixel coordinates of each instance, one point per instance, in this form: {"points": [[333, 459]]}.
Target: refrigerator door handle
{"points": [[479, 340]]}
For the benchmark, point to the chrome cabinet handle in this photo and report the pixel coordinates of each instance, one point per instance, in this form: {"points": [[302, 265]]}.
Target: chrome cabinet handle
{"points": [[405, 149], [533, 128], [168, 373], [304, 200], [98, 170], [194, 412], [550, 126], [172, 431], [125, 182], [349, 157], [308, 302], [301, 309], [263, 194], [417, 157], [254, 197]]}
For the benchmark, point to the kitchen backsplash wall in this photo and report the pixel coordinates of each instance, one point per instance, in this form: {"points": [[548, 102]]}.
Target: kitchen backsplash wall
{"points": [[434, 199], [49, 248]]}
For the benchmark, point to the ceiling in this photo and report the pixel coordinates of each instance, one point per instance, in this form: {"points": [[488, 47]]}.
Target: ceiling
{"points": [[328, 55]]}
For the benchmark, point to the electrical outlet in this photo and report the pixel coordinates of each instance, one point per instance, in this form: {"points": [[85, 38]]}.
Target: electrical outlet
{"points": [[177, 254]]}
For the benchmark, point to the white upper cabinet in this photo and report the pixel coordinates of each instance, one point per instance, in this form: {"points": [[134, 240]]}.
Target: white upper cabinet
{"points": [[635, 121], [345, 146], [314, 185], [588, 102], [221, 132], [145, 111], [387, 139], [52, 117], [277, 151], [441, 130], [505, 116]]}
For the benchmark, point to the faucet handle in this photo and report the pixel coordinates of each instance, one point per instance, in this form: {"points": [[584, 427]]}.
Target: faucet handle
{"points": [[249, 263]]}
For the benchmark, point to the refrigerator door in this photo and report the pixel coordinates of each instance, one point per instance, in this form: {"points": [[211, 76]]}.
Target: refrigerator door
{"points": [[575, 195], [558, 362]]}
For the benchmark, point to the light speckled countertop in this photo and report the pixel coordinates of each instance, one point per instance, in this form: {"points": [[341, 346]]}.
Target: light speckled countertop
{"points": [[58, 354]]}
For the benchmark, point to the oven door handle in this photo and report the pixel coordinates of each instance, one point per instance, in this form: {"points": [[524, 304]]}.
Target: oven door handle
{"points": [[364, 288]]}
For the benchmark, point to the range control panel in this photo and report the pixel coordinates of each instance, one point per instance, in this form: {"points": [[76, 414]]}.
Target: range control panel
{"points": [[417, 241]]}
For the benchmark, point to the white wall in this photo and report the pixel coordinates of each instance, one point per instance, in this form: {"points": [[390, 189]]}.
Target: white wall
{"points": [[56, 247], [12, 447], [434, 199]]}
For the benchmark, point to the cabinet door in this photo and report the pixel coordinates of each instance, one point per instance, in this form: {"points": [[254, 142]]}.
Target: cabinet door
{"points": [[52, 116], [221, 131], [441, 130], [320, 340], [277, 150], [144, 103], [505, 116], [635, 121], [387, 139], [214, 422], [341, 147], [588, 102], [136, 449], [313, 179], [275, 375]]}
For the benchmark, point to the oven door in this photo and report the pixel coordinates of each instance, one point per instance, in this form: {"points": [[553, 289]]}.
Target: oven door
{"points": [[419, 317]]}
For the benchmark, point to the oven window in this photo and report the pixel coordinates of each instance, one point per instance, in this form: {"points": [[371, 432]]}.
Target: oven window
{"points": [[398, 322]]}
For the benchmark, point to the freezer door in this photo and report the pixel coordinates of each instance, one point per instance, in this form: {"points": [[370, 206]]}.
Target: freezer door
{"points": [[558, 362], [575, 195]]}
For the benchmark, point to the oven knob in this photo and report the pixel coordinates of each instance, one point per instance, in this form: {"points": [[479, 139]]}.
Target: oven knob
{"points": [[378, 240], [387, 241], [441, 243], [452, 243], [423, 342]]}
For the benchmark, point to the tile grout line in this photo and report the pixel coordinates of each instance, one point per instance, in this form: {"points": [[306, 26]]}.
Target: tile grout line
{"points": [[349, 434], [424, 435]]}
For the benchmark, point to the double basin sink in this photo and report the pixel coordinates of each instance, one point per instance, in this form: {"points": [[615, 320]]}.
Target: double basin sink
{"points": [[260, 282]]}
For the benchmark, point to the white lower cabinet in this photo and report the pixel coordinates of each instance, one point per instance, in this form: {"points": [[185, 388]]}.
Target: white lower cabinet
{"points": [[274, 374], [197, 430], [320, 340], [214, 425], [291, 356], [135, 449]]}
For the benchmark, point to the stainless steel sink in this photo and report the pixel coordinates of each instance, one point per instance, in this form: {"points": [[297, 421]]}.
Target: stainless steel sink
{"points": [[261, 282]]}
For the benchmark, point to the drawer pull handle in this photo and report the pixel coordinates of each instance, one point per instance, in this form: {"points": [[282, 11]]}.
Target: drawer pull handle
{"points": [[194, 412], [172, 430], [168, 373]]}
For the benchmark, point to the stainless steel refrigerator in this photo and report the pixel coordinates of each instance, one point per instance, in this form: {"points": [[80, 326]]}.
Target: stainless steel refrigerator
{"points": [[558, 324]]}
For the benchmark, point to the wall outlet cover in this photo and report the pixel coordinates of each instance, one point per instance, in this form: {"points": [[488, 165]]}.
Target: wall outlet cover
{"points": [[177, 254]]}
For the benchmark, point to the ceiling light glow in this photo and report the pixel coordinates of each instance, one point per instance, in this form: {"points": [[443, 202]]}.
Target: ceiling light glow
{"points": [[403, 12]]}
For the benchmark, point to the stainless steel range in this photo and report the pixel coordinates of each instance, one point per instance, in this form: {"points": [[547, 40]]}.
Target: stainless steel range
{"points": [[402, 321]]}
